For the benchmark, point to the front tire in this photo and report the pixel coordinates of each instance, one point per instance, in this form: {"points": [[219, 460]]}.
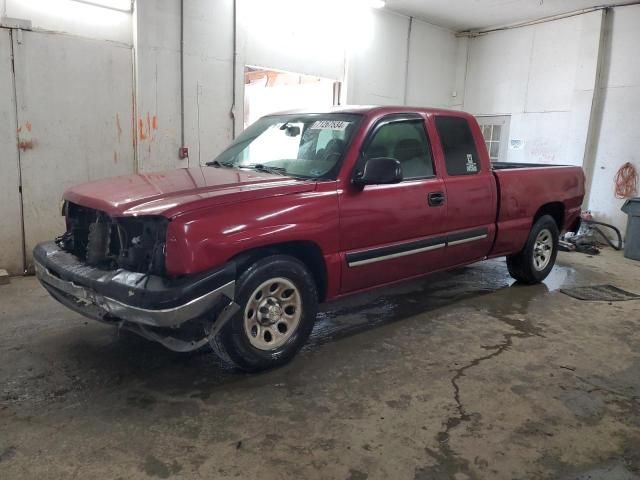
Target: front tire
{"points": [[534, 263], [278, 303]]}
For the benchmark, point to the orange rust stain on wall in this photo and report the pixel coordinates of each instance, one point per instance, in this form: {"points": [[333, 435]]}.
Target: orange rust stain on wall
{"points": [[146, 126], [28, 126], [25, 145], [141, 133]]}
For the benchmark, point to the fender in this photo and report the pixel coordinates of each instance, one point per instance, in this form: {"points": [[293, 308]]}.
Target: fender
{"points": [[202, 240]]}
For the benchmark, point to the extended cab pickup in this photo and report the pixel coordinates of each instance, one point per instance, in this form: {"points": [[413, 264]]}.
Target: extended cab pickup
{"points": [[302, 208]]}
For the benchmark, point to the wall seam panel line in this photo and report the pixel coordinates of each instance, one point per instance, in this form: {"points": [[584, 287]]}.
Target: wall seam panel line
{"points": [[407, 61], [595, 113], [181, 75], [466, 74], [71, 35], [15, 104], [526, 91], [134, 108]]}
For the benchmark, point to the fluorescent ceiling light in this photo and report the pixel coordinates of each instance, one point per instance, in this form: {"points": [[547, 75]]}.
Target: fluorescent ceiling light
{"points": [[121, 5], [377, 3]]}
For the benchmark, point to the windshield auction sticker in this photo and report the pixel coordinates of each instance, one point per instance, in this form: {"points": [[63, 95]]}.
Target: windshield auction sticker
{"points": [[330, 125]]}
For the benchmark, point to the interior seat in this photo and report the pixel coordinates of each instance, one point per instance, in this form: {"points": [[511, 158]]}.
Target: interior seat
{"points": [[413, 158], [377, 151], [334, 148]]}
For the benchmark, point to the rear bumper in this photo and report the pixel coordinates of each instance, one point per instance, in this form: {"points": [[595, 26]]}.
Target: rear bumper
{"points": [[146, 300]]}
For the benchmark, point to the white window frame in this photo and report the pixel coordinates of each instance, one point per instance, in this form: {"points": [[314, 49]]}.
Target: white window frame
{"points": [[504, 121]]}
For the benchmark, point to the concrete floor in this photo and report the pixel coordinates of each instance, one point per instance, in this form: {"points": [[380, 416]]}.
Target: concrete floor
{"points": [[461, 375]]}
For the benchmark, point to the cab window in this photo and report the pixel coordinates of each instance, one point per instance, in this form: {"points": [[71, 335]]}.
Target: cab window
{"points": [[405, 141], [460, 153]]}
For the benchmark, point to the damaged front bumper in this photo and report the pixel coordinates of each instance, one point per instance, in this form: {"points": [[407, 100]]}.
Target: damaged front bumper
{"points": [[135, 301]]}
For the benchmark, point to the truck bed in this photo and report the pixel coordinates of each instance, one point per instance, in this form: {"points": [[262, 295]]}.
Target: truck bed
{"points": [[521, 192]]}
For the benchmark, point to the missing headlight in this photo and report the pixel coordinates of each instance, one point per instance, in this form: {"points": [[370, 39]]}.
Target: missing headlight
{"points": [[132, 243], [142, 242]]}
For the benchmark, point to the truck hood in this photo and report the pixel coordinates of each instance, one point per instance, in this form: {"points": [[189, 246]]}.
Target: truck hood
{"points": [[174, 192]]}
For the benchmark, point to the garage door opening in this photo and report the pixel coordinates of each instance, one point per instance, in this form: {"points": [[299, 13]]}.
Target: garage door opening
{"points": [[267, 91]]}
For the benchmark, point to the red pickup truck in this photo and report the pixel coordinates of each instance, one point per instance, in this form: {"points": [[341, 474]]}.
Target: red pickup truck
{"points": [[302, 208]]}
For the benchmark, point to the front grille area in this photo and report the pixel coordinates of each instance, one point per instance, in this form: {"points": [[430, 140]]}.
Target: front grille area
{"points": [[132, 243]]}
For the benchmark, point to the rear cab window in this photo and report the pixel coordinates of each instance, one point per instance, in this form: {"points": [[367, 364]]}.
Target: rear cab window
{"points": [[458, 145]]}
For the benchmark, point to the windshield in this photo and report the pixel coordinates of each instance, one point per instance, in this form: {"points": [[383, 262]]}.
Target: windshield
{"points": [[307, 145]]}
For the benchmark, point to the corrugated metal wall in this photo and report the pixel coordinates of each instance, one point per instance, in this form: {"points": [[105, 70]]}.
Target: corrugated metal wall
{"points": [[75, 121], [74, 99]]}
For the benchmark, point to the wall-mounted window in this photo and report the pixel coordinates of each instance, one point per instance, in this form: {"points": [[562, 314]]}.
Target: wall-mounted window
{"points": [[495, 129]]}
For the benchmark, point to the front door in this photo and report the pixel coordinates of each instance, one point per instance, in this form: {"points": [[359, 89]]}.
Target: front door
{"points": [[391, 232]]}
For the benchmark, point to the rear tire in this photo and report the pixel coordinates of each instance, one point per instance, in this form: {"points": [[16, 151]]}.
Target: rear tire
{"points": [[278, 303], [534, 263]]}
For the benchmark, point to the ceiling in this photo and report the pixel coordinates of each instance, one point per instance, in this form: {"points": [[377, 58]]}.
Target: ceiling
{"points": [[478, 14]]}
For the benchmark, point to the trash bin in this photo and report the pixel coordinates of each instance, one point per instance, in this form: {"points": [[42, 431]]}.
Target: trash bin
{"points": [[632, 242]]}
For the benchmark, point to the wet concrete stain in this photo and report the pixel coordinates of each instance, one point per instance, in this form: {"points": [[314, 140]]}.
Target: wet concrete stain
{"points": [[390, 386], [156, 468], [357, 475], [8, 454]]}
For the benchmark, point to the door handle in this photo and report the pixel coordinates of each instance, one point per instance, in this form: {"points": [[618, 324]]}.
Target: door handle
{"points": [[436, 199]]}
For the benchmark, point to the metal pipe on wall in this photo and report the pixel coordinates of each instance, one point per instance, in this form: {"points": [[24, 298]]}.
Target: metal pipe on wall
{"points": [[551, 18], [597, 104], [406, 66], [15, 38], [183, 152], [233, 69]]}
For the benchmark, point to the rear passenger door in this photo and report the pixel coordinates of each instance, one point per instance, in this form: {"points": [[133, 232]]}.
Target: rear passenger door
{"points": [[470, 188], [391, 232]]}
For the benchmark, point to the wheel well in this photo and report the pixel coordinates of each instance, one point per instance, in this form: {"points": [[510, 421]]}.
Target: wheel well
{"points": [[555, 209], [307, 252]]}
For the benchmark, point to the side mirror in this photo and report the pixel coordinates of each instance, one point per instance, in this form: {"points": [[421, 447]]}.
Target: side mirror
{"points": [[379, 171]]}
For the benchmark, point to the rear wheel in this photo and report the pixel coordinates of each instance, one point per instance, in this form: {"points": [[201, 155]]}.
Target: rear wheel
{"points": [[536, 260], [278, 303]]}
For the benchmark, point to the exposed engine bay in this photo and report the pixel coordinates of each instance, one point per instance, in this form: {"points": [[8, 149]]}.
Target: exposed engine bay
{"points": [[133, 243]]}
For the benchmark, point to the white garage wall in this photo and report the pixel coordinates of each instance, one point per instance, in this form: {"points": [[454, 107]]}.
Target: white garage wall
{"points": [[299, 36], [432, 66], [72, 17], [544, 77], [377, 63], [208, 77], [157, 46], [366, 49], [618, 141], [72, 29], [387, 68]]}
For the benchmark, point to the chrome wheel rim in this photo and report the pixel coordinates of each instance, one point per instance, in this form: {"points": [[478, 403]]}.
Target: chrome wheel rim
{"points": [[542, 250], [272, 313]]}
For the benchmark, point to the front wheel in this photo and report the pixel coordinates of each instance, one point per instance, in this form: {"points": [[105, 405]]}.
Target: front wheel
{"points": [[535, 261], [278, 302]]}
